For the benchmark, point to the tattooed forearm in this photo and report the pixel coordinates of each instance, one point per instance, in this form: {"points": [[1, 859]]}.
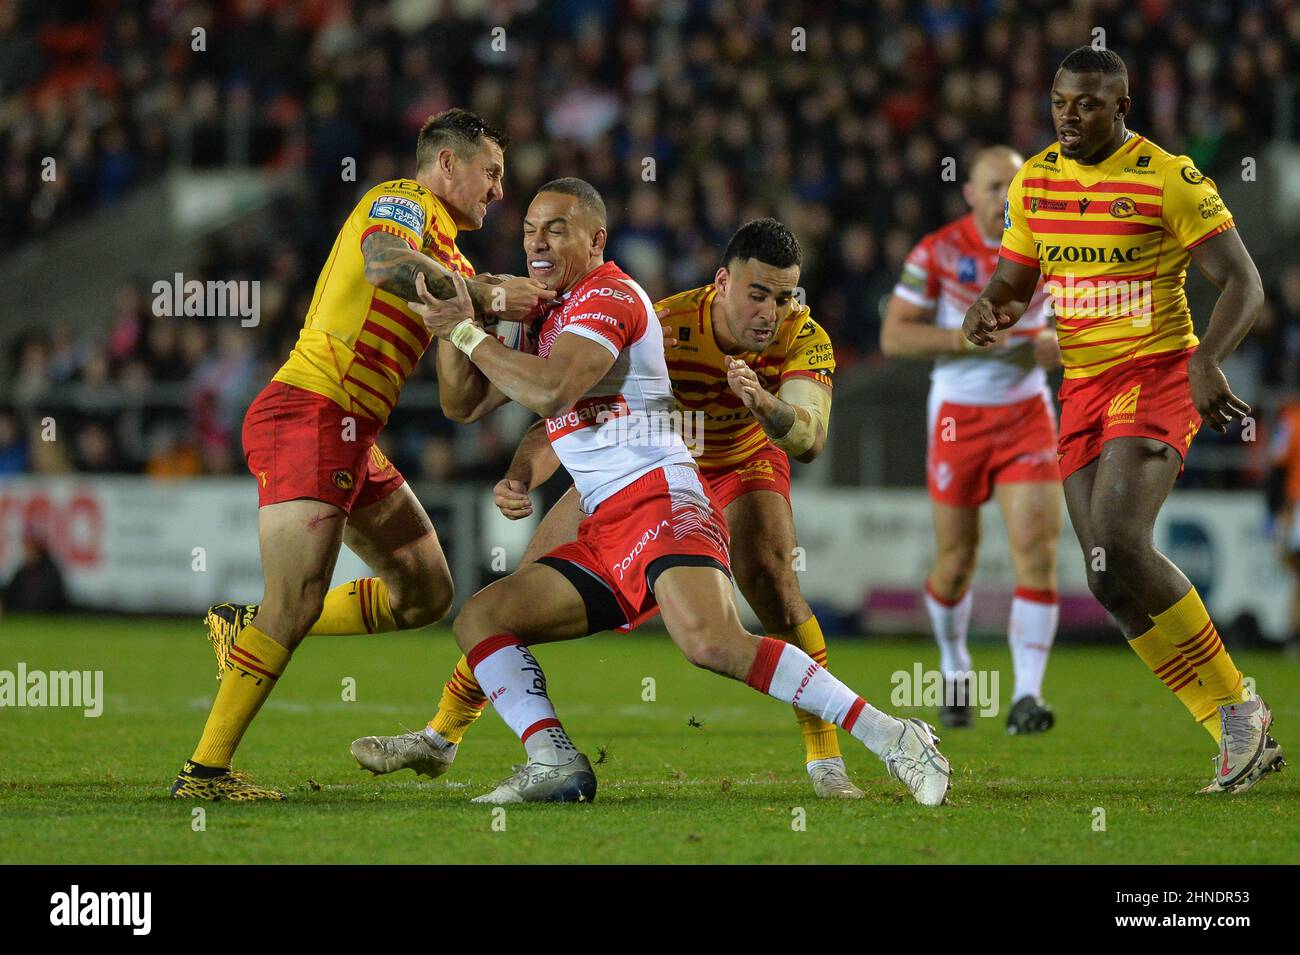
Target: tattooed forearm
{"points": [[779, 420], [391, 265]]}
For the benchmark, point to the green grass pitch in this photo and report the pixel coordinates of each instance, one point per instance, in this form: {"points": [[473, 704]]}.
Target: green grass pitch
{"points": [[730, 789]]}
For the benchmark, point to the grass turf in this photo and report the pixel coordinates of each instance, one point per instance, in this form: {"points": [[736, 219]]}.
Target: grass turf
{"points": [[730, 789]]}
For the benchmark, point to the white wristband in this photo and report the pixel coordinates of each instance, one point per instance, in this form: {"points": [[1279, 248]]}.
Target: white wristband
{"points": [[466, 335]]}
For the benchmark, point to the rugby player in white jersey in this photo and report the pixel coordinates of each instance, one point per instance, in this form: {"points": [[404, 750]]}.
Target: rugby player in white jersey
{"points": [[992, 434], [654, 536]]}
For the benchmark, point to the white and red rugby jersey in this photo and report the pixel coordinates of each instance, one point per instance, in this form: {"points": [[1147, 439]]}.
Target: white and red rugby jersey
{"points": [[624, 426], [946, 271]]}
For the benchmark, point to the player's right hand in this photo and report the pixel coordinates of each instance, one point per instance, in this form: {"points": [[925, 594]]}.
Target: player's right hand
{"points": [[511, 498], [523, 297], [984, 320]]}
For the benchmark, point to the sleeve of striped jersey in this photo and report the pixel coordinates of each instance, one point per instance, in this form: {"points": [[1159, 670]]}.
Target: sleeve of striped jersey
{"points": [[919, 282], [394, 208], [613, 323], [1191, 206], [810, 356], [1017, 239]]}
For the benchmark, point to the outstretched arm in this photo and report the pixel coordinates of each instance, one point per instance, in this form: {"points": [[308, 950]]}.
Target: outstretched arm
{"points": [[1223, 260], [392, 265]]}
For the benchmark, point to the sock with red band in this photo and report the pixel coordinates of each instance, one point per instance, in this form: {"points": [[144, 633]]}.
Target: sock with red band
{"points": [[513, 681], [784, 671], [1031, 632], [950, 620]]}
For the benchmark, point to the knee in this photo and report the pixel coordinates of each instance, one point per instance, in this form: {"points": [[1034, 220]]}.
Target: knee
{"points": [[954, 566], [1119, 548], [292, 619], [1035, 555], [704, 643], [473, 623], [1107, 560], [1105, 586], [432, 602], [708, 653]]}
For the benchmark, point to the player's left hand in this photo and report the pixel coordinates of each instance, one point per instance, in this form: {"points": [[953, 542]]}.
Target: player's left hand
{"points": [[1217, 405], [440, 316], [1047, 349], [744, 382]]}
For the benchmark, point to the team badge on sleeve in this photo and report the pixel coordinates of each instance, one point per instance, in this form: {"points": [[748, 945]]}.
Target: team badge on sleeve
{"points": [[1006, 216], [401, 210]]}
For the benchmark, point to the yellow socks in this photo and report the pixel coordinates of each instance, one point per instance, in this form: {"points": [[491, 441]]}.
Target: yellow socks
{"points": [[359, 606], [256, 662], [461, 704], [1187, 626], [819, 737], [1178, 675]]}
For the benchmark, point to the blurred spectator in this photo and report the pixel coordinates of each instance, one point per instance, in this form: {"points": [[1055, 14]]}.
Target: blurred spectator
{"points": [[14, 455], [37, 583]]}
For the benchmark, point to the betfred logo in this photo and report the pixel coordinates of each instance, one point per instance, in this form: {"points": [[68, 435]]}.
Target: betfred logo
{"points": [[586, 413]]}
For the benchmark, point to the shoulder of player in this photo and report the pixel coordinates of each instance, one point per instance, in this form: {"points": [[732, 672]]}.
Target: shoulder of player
{"points": [[408, 188], [1177, 170], [802, 331], [683, 302], [1046, 161]]}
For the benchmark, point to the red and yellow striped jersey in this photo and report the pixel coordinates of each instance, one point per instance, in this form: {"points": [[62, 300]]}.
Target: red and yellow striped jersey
{"points": [[698, 369], [359, 344], [1112, 242]]}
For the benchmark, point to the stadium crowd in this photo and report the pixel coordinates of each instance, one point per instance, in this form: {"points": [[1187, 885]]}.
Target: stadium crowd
{"points": [[690, 118]]}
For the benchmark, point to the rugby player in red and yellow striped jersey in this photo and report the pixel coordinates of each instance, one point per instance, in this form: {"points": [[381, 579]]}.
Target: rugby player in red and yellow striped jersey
{"points": [[309, 438], [747, 360], [1110, 221]]}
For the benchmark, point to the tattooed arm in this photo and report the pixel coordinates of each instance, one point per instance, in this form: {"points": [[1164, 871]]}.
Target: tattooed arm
{"points": [[392, 265]]}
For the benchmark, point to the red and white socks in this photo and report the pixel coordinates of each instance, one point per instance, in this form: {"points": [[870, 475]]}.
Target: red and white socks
{"points": [[783, 671], [950, 619], [1031, 632], [514, 683]]}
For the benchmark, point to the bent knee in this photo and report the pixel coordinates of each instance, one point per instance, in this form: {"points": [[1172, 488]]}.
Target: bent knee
{"points": [[708, 654], [419, 606]]}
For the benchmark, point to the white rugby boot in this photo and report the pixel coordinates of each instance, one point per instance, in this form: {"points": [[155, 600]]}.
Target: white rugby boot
{"points": [[388, 754], [915, 761], [573, 781]]}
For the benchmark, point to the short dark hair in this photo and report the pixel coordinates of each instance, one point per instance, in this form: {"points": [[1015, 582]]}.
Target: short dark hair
{"points": [[587, 194], [1085, 59], [767, 240], [457, 129]]}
